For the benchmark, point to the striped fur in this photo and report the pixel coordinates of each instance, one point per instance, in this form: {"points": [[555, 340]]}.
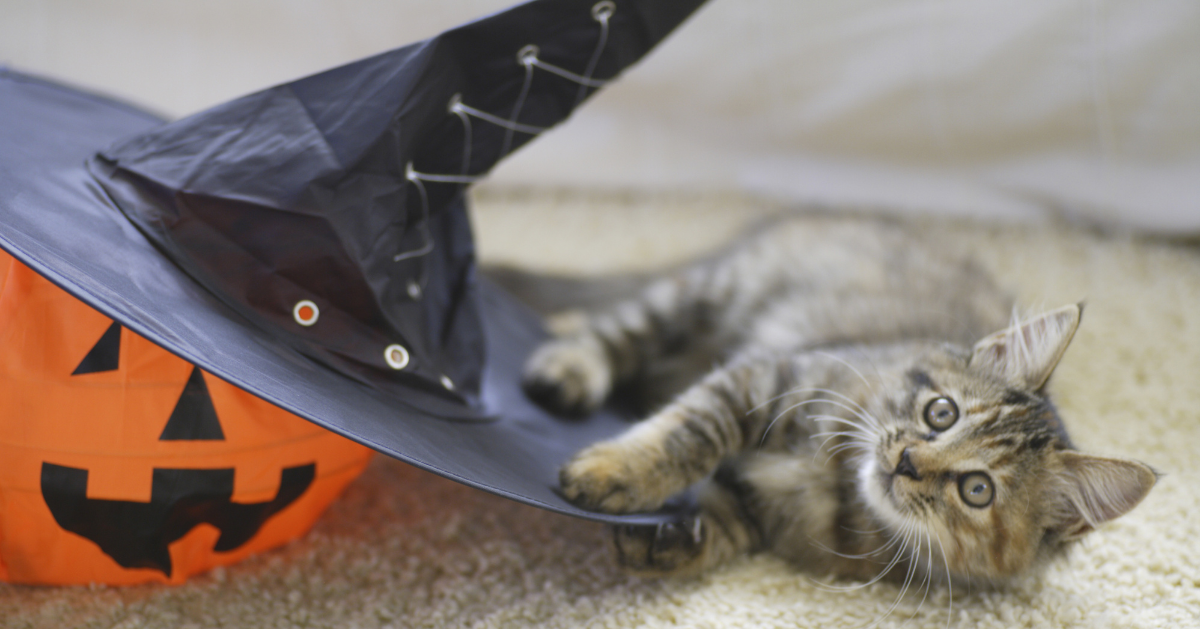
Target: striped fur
{"points": [[810, 439]]}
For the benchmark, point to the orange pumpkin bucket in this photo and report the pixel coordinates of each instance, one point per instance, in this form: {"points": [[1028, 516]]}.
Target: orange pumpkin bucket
{"points": [[121, 463]]}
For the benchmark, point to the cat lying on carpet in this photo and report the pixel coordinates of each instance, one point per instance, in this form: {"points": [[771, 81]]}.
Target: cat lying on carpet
{"points": [[872, 413]]}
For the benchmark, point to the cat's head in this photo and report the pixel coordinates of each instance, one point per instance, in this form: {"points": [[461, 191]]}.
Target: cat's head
{"points": [[972, 459]]}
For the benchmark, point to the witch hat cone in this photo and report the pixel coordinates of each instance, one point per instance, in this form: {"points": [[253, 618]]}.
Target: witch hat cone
{"points": [[309, 243]]}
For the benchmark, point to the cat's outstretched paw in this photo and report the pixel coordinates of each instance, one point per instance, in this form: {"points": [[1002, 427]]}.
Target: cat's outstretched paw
{"points": [[665, 549], [569, 375], [614, 477]]}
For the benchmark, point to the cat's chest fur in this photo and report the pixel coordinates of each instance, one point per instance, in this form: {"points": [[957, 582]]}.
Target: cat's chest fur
{"points": [[804, 473]]}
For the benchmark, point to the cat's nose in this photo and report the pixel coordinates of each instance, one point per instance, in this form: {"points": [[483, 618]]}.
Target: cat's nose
{"points": [[906, 468]]}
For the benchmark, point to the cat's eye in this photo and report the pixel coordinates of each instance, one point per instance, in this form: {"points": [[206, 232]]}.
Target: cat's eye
{"points": [[976, 489], [941, 413]]}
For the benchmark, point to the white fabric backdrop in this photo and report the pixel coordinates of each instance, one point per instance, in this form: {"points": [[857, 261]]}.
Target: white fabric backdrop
{"points": [[1089, 108]]}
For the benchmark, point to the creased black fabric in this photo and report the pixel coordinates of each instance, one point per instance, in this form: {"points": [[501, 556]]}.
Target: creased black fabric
{"points": [[300, 192]]}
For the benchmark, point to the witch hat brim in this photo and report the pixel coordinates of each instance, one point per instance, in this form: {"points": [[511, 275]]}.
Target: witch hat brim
{"points": [[343, 191]]}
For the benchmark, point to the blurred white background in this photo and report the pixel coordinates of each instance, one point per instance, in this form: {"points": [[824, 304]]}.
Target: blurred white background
{"points": [[1088, 108]]}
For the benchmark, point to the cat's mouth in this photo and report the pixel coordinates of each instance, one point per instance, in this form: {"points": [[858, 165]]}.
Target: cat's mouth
{"points": [[885, 474], [897, 489], [890, 489], [885, 495], [887, 482]]}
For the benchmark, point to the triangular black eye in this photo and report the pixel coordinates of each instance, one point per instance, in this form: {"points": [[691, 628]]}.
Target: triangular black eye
{"points": [[105, 355], [194, 417]]}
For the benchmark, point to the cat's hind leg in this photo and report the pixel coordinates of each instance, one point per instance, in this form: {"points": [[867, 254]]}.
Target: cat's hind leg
{"points": [[722, 529]]}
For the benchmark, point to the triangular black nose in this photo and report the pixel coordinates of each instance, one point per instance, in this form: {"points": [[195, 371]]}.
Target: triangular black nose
{"points": [[906, 468]]}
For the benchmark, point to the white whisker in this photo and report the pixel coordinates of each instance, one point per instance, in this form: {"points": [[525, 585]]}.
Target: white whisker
{"points": [[778, 416], [895, 539], [860, 438], [870, 421], [858, 433], [774, 399], [949, 581], [847, 364], [908, 577], [927, 582], [870, 532], [903, 537], [836, 394], [851, 444], [767, 430], [865, 432], [864, 448], [853, 439], [908, 531], [868, 429]]}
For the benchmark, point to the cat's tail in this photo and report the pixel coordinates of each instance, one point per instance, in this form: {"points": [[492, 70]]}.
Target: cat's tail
{"points": [[547, 293]]}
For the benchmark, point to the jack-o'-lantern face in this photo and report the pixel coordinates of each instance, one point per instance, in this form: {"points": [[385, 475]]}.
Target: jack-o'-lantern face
{"points": [[121, 463]]}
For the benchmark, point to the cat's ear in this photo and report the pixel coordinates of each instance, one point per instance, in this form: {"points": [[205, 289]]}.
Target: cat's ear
{"points": [[1027, 352], [1094, 490]]}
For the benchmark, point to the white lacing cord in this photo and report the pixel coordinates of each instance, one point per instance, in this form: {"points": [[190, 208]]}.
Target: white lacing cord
{"points": [[527, 57], [456, 108], [422, 224], [460, 108], [601, 11], [583, 81]]}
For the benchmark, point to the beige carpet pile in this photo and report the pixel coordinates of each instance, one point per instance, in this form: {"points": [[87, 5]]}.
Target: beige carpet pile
{"points": [[404, 548]]}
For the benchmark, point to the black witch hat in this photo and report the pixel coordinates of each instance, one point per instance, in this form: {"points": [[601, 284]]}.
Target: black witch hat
{"points": [[310, 244]]}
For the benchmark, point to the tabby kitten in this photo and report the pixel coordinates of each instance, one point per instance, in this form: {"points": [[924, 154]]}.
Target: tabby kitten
{"points": [[872, 413]]}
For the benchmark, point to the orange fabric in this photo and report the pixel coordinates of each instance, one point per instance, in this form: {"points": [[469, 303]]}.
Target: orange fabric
{"points": [[109, 424]]}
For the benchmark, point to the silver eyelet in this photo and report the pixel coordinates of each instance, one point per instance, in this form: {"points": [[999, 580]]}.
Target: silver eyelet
{"points": [[396, 356], [603, 10], [527, 56], [448, 383]]}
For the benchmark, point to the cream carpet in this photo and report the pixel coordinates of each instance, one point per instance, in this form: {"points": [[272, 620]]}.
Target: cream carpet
{"points": [[404, 548]]}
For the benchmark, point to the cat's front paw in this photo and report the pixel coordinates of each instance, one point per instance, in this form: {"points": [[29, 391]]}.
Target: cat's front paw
{"points": [[569, 375], [614, 477], [671, 548]]}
